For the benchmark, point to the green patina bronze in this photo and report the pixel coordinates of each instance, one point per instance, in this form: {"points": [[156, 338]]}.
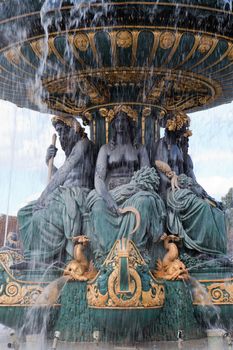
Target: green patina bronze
{"points": [[106, 227], [48, 232], [200, 224], [158, 58]]}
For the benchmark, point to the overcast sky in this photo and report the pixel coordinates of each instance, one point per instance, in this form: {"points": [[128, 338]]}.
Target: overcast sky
{"points": [[25, 136]]}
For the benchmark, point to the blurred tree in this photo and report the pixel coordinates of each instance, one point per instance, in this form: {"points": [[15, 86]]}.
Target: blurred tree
{"points": [[227, 200]]}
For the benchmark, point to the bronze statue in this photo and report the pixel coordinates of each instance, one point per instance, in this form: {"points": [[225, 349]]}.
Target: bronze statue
{"points": [[47, 223], [118, 159], [124, 178], [168, 150], [197, 220]]}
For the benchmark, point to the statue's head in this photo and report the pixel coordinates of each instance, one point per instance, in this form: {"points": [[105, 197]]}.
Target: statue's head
{"points": [[177, 125], [123, 122], [69, 131]]}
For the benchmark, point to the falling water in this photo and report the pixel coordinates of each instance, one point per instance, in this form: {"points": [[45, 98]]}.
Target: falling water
{"points": [[51, 15]]}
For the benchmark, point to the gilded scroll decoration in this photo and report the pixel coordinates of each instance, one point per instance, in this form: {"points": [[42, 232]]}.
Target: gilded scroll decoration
{"points": [[171, 91], [14, 292], [9, 257], [221, 293], [217, 292], [182, 92]]}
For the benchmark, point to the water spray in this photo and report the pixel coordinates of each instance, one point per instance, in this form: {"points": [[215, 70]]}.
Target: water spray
{"points": [[180, 338], [55, 340], [96, 336], [228, 338], [14, 344]]}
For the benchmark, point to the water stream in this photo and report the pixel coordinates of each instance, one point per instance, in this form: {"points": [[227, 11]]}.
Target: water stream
{"points": [[34, 335]]}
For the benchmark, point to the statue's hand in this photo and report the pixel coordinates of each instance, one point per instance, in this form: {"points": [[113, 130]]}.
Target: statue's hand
{"points": [[51, 153], [174, 182], [111, 204]]}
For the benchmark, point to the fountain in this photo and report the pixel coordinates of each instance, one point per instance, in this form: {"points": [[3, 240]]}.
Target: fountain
{"points": [[125, 69]]}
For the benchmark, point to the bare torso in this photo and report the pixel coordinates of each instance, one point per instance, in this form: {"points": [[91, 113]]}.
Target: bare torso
{"points": [[82, 173], [122, 161]]}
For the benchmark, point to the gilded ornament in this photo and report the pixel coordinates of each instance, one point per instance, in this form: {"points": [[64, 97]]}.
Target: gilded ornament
{"points": [[103, 112], [167, 40], [124, 39], [80, 269], [81, 41], [157, 90], [149, 298], [178, 122], [131, 113], [171, 268], [64, 105], [16, 292], [110, 114], [176, 91], [94, 93], [204, 99], [217, 293], [13, 56], [161, 114], [205, 44], [9, 257], [230, 54], [134, 293], [188, 133], [221, 293], [40, 46], [146, 111], [125, 260]]}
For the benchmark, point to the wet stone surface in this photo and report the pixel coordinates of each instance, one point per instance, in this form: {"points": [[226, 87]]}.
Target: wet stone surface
{"points": [[200, 344]]}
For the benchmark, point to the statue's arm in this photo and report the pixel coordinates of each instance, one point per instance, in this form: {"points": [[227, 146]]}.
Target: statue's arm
{"points": [[188, 167], [167, 176], [143, 157], [100, 177], [61, 174]]}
